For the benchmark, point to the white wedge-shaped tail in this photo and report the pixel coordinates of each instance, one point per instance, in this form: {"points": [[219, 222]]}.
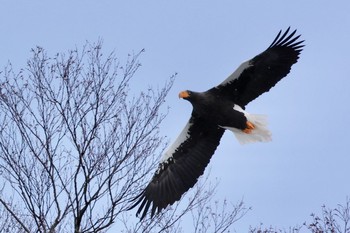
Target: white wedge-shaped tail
{"points": [[260, 133]]}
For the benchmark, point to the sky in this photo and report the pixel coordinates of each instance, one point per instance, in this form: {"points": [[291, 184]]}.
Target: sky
{"points": [[307, 163]]}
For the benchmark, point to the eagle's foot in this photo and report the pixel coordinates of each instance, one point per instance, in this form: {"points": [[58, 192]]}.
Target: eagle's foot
{"points": [[249, 127]]}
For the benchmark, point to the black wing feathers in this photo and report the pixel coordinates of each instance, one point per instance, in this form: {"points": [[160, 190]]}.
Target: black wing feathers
{"points": [[264, 70], [282, 41], [181, 171]]}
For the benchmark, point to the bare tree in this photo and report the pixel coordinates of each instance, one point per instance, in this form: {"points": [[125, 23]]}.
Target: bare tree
{"points": [[336, 220], [76, 145], [331, 220], [73, 146], [213, 216], [262, 229]]}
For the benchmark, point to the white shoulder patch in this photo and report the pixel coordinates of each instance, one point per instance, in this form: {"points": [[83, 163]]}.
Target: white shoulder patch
{"points": [[236, 73], [180, 139]]}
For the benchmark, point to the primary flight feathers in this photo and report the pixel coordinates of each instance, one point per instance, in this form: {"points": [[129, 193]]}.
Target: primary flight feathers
{"points": [[214, 111]]}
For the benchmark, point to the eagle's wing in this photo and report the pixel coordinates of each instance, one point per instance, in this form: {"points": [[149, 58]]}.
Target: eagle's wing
{"points": [[180, 166], [258, 75]]}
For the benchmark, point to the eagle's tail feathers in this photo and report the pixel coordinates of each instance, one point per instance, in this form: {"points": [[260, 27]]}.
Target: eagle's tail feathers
{"points": [[258, 133]]}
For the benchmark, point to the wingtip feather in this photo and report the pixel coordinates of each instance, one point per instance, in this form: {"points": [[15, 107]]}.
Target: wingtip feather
{"points": [[286, 39]]}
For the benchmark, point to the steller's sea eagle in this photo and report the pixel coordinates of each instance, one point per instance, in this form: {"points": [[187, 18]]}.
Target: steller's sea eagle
{"points": [[214, 111]]}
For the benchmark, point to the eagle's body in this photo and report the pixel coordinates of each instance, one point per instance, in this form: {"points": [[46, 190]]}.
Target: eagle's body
{"points": [[214, 111]]}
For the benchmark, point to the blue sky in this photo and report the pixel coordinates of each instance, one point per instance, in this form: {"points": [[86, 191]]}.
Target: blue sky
{"points": [[307, 163]]}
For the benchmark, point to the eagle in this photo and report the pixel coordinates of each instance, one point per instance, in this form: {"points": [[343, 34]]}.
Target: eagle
{"points": [[214, 111]]}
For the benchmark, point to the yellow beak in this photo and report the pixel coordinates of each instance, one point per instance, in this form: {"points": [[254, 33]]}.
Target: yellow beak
{"points": [[184, 94]]}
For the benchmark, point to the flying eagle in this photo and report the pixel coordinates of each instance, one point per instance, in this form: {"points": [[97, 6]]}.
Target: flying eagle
{"points": [[214, 111]]}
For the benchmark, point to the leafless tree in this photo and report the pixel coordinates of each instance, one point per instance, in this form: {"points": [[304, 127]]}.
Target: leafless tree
{"points": [[77, 144], [263, 229], [336, 220], [331, 220], [216, 216]]}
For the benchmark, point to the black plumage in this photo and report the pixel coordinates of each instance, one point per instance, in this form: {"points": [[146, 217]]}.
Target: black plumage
{"points": [[263, 71], [214, 111]]}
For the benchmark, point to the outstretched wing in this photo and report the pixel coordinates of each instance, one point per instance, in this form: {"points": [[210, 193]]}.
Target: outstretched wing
{"points": [[258, 75], [181, 166]]}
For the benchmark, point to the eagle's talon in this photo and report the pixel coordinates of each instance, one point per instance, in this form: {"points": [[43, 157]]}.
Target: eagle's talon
{"points": [[250, 126]]}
